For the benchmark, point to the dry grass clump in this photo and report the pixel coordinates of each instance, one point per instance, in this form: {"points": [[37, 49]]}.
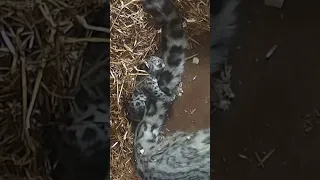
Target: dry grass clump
{"points": [[133, 37], [41, 46]]}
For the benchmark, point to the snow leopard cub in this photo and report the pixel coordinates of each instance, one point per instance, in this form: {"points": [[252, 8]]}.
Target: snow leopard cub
{"points": [[147, 86]]}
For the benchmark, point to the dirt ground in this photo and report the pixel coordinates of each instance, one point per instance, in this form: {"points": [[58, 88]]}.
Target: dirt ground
{"points": [[272, 97], [191, 111]]}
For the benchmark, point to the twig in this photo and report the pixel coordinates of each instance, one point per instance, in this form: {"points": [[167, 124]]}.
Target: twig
{"points": [[243, 156], [138, 74], [265, 158], [8, 95], [193, 40], [11, 49], [84, 23], [24, 90], [34, 95], [190, 57], [6, 50], [37, 83], [8, 42], [54, 94], [259, 160], [271, 51], [46, 14], [4, 68]]}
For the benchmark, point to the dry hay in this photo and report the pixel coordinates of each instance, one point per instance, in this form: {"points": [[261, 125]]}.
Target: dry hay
{"points": [[133, 37], [41, 45]]}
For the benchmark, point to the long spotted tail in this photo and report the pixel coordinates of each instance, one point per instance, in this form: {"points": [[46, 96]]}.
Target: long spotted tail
{"points": [[174, 42], [223, 28]]}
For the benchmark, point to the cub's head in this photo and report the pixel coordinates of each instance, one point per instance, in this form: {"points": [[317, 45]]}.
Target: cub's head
{"points": [[155, 64]]}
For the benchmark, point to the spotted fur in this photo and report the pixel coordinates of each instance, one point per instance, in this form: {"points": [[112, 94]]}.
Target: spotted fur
{"points": [[179, 156], [174, 43], [147, 86], [223, 28]]}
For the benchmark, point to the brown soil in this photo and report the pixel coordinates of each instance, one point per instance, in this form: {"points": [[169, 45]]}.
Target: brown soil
{"points": [[272, 97], [191, 111]]}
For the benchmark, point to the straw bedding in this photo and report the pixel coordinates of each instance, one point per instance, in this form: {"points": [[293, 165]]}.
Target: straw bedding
{"points": [[134, 36], [41, 47], [40, 66]]}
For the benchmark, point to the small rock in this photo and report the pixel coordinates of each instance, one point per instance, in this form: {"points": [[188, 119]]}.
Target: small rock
{"points": [[195, 60]]}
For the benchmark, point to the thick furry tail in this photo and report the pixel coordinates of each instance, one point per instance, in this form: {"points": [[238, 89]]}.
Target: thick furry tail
{"points": [[223, 29], [174, 42]]}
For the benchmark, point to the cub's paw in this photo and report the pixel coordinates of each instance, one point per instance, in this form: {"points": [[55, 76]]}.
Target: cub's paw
{"points": [[172, 97], [178, 91]]}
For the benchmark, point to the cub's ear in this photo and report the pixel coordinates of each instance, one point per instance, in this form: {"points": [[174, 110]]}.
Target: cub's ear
{"points": [[143, 66]]}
